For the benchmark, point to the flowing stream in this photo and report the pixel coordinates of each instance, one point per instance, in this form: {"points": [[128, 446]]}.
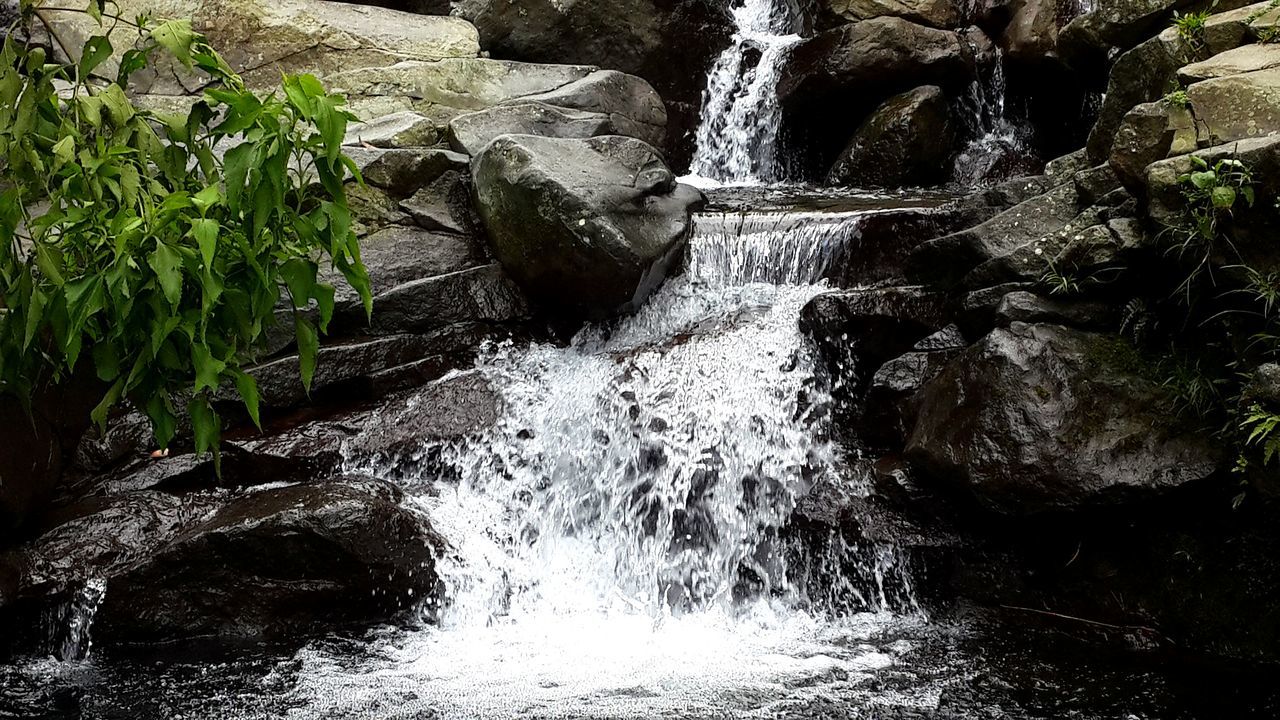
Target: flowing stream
{"points": [[737, 140], [619, 544]]}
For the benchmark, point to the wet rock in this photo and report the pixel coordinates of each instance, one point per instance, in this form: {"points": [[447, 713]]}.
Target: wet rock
{"points": [[978, 308], [398, 255], [1244, 59], [998, 421], [1062, 169], [1237, 107], [127, 434], [671, 44], [873, 56], [945, 339], [933, 13], [838, 77], [357, 368], [1016, 191], [405, 129], [946, 260], [372, 209], [1026, 307], [586, 227], [891, 406], [906, 141], [858, 331], [400, 172], [1031, 37], [444, 204], [277, 563], [470, 133], [449, 408], [631, 104], [480, 294], [882, 241]]}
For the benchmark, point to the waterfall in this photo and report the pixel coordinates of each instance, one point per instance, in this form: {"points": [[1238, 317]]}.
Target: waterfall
{"points": [[738, 132], [70, 624], [999, 148], [620, 541]]}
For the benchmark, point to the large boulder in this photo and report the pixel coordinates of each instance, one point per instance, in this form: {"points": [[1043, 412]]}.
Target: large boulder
{"points": [[949, 259], [934, 13], [275, 563], [1036, 418], [906, 141], [471, 132], [670, 43], [833, 80], [630, 103], [261, 40], [587, 227], [1149, 70], [1148, 133], [1236, 107]]}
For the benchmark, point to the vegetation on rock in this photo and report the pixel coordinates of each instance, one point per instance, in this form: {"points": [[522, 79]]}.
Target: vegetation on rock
{"points": [[156, 247]]}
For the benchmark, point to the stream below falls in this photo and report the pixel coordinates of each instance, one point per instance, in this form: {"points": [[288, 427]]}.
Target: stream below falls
{"points": [[620, 549]]}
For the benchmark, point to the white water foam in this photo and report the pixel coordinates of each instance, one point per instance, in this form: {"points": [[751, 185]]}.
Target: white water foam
{"points": [[738, 132], [617, 539]]}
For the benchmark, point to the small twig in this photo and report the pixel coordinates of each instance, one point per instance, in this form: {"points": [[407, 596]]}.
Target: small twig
{"points": [[1087, 621]]}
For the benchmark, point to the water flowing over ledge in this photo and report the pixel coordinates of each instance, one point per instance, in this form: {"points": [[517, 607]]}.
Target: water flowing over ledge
{"points": [[619, 543]]}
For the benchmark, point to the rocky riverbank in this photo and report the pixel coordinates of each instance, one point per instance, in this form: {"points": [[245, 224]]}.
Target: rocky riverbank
{"points": [[1024, 444]]}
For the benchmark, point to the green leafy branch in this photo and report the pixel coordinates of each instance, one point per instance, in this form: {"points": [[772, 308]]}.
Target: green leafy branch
{"points": [[163, 246]]}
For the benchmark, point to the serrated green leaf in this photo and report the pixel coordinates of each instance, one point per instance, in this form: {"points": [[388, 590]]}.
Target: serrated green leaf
{"points": [[324, 295], [177, 37], [208, 368], [167, 265], [205, 425], [205, 231]]}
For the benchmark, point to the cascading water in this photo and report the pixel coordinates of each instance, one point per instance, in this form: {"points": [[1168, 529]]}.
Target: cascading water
{"points": [[999, 146], [738, 132], [618, 538]]}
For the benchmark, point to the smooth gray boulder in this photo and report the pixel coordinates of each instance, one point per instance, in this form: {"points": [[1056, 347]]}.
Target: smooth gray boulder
{"points": [[587, 228], [470, 133], [1038, 418], [630, 103]]}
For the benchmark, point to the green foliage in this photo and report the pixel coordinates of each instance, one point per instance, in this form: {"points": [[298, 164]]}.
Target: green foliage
{"points": [[1177, 99], [1195, 390], [1060, 281], [1211, 194], [1270, 33], [1262, 430], [132, 241], [1191, 28]]}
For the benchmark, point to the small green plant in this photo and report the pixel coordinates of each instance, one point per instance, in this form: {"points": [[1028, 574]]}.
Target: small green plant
{"points": [[1195, 391], [159, 247], [1211, 195], [1269, 33], [1191, 29], [1262, 431], [1177, 99], [1060, 281]]}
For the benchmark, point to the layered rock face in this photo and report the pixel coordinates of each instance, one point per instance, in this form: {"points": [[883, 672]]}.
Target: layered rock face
{"points": [[670, 43], [1020, 392]]}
